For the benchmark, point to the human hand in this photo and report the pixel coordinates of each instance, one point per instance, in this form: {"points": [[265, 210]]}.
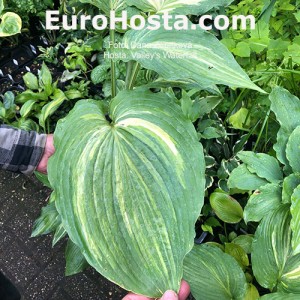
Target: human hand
{"points": [[49, 150], [168, 295]]}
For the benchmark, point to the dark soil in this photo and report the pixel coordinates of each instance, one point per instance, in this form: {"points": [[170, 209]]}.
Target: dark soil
{"points": [[32, 265]]}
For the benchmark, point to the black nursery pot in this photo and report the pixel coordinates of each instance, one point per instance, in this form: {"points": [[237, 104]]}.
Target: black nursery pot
{"points": [[5, 85], [17, 76], [10, 67], [23, 55], [7, 290]]}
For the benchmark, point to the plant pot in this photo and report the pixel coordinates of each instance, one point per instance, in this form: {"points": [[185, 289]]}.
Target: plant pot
{"points": [[5, 84], [17, 76], [23, 55], [7, 290], [10, 67]]}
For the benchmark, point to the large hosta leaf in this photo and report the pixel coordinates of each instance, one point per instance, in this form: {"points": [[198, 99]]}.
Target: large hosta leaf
{"points": [[213, 274], [184, 54], [183, 7], [273, 262], [129, 191]]}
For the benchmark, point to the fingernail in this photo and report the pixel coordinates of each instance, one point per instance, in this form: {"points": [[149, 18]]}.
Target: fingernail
{"points": [[169, 295]]}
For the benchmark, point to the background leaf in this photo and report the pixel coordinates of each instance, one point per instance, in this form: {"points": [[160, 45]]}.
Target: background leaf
{"points": [[287, 110], [177, 55], [11, 24], [213, 274], [226, 208], [263, 201], [288, 186], [295, 222], [183, 7], [75, 261], [273, 262], [293, 150], [241, 178], [280, 296], [264, 165]]}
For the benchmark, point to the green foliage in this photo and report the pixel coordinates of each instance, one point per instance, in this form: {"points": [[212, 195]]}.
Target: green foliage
{"points": [[213, 274], [25, 8], [275, 204]]}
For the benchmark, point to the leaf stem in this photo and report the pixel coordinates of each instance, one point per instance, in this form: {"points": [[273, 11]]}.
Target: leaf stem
{"points": [[262, 130], [133, 68]]}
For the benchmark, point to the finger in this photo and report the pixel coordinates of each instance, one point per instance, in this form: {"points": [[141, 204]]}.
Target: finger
{"points": [[184, 290], [169, 295], [131, 296]]}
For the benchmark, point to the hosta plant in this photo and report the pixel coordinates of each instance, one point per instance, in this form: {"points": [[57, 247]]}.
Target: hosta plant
{"points": [[10, 23], [274, 185], [223, 270], [129, 180]]}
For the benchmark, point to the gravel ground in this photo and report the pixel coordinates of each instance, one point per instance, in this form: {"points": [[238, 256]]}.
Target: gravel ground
{"points": [[32, 265]]}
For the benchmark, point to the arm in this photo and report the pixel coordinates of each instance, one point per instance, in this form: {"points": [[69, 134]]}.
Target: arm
{"points": [[24, 152]]}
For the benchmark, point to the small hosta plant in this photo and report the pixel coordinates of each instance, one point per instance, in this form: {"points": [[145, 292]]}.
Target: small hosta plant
{"points": [[10, 22]]}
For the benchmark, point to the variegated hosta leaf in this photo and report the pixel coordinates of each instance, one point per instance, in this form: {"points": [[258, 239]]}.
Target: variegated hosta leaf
{"points": [[287, 110], [47, 222], [293, 150], [75, 261], [107, 6], [295, 222], [58, 98], [288, 186], [213, 274], [184, 54], [10, 24], [273, 262], [183, 7], [129, 192], [280, 296]]}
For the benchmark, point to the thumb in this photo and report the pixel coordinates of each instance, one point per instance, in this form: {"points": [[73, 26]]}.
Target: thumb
{"points": [[169, 295]]}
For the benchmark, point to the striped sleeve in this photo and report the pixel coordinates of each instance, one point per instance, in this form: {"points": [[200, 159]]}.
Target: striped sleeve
{"points": [[20, 151]]}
